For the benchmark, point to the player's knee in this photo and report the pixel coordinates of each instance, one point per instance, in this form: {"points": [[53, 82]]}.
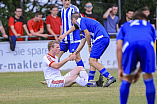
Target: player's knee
{"points": [[91, 61], [147, 75]]}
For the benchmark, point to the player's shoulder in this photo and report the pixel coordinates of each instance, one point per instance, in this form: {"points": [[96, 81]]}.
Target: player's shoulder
{"points": [[74, 7], [30, 21]]}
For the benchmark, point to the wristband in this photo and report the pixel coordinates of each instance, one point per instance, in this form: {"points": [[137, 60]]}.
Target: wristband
{"points": [[76, 51], [89, 45]]}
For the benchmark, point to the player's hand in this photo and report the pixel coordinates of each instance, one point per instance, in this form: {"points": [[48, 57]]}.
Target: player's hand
{"points": [[120, 74], [56, 38], [18, 35], [136, 77], [29, 34], [110, 9], [72, 57], [61, 37], [5, 36], [45, 35]]}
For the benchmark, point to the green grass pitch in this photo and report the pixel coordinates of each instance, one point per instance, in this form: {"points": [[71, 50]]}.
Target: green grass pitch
{"points": [[25, 88]]}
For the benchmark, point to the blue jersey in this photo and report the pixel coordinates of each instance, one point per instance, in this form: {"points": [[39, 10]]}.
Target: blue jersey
{"points": [[66, 14], [136, 30], [96, 30]]}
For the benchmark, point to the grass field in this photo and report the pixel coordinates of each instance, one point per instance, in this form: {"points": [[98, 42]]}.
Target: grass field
{"points": [[25, 88]]}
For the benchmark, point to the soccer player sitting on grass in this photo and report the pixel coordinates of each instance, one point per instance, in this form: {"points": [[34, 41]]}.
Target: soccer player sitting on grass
{"points": [[135, 42], [100, 41], [52, 73]]}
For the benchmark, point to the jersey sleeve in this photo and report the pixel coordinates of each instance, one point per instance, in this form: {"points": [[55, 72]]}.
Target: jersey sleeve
{"points": [[29, 25], [11, 21], [120, 35], [76, 9], [82, 25], [49, 60], [41, 24]]}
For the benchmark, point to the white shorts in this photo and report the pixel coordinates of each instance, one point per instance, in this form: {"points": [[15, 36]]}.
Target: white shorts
{"points": [[58, 81]]}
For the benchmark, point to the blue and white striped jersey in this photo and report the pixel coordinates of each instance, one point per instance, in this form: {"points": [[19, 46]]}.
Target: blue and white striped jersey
{"points": [[66, 14]]}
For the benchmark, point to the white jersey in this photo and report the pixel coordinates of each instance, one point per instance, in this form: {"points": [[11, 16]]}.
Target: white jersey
{"points": [[49, 72], [67, 24]]}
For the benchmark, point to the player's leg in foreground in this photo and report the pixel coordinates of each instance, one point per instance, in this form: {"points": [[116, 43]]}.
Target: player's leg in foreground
{"points": [[94, 62], [75, 78], [97, 50]]}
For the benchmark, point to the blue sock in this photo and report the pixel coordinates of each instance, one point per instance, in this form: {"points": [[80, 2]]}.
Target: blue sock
{"points": [[124, 92], [80, 63], [150, 91], [105, 73], [91, 76]]}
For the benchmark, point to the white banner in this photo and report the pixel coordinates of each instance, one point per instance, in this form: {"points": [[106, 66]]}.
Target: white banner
{"points": [[28, 56]]}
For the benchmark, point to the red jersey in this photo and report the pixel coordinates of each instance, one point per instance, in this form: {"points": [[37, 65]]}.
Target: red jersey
{"points": [[18, 26], [36, 26], [55, 24]]}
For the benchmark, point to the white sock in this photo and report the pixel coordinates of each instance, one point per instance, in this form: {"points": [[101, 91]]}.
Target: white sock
{"points": [[83, 74], [81, 81]]}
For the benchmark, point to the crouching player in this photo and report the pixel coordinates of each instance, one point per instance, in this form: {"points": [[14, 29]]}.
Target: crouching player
{"points": [[135, 42], [52, 73], [100, 41]]}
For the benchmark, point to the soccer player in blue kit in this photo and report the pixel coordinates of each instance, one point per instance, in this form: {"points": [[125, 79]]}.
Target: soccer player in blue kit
{"points": [[100, 41], [135, 42]]}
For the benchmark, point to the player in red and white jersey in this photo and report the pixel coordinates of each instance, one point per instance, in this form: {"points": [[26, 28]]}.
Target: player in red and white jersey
{"points": [[52, 73]]}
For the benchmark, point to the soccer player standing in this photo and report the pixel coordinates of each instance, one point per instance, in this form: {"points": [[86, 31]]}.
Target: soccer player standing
{"points": [[72, 40], [94, 31], [135, 42]]}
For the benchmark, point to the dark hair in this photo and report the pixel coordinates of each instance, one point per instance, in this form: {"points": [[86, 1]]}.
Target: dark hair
{"points": [[53, 6], [128, 10], [139, 15], [37, 13], [114, 5], [17, 7], [145, 8], [75, 15]]}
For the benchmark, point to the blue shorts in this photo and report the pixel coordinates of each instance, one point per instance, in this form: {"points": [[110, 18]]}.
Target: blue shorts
{"points": [[99, 46], [68, 46], [141, 51]]}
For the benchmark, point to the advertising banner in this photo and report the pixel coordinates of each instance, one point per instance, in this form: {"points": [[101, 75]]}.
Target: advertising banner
{"points": [[28, 56]]}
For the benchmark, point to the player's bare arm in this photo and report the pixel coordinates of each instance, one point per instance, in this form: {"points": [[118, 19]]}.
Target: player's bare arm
{"points": [[119, 58], [51, 31], [3, 32], [26, 30], [38, 34], [61, 63], [79, 48], [14, 31], [88, 39], [68, 32]]}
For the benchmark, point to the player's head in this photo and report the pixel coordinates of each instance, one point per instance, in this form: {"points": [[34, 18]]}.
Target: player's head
{"points": [[139, 15], [66, 3], [18, 11], [146, 11], [53, 46], [88, 7], [129, 13], [38, 16], [74, 17], [54, 10], [114, 9]]}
